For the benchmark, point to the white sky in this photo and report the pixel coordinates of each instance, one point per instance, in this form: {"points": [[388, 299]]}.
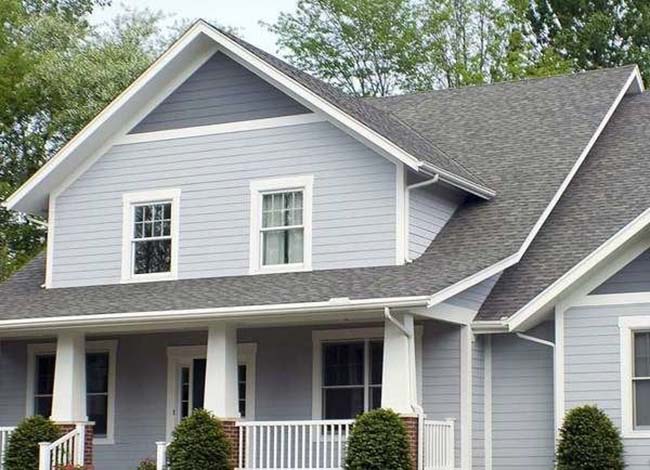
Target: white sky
{"points": [[242, 14]]}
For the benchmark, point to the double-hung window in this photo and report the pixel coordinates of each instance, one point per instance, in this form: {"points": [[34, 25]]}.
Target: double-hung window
{"points": [[281, 224], [641, 380], [150, 235]]}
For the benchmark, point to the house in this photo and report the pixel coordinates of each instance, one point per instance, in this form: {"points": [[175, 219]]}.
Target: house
{"points": [[231, 233]]}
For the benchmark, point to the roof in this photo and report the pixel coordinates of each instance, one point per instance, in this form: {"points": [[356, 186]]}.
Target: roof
{"points": [[608, 192], [524, 137]]}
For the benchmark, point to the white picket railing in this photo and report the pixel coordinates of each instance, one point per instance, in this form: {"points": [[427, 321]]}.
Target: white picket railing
{"points": [[283, 445], [161, 455], [437, 445], [5, 432], [67, 450]]}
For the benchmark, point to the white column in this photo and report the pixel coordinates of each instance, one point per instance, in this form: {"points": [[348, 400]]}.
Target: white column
{"points": [[221, 393], [466, 344], [69, 396], [399, 382]]}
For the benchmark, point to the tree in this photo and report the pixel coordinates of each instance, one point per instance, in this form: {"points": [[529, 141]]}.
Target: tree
{"points": [[56, 73], [602, 33]]}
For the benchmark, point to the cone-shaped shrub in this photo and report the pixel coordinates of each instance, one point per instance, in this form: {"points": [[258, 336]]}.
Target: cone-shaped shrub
{"points": [[378, 441], [589, 441], [22, 451], [199, 443]]}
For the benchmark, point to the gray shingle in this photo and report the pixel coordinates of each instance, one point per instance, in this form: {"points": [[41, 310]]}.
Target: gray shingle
{"points": [[609, 191]]}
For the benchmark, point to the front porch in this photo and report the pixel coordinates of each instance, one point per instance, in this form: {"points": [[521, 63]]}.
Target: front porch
{"points": [[288, 392]]}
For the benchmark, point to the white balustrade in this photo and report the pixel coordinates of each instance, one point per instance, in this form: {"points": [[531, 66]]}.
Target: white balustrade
{"points": [[5, 432], [67, 450], [437, 445], [161, 455]]}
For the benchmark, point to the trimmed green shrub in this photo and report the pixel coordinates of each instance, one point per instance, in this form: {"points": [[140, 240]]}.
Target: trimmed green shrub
{"points": [[199, 443], [22, 451], [378, 441], [589, 441]]}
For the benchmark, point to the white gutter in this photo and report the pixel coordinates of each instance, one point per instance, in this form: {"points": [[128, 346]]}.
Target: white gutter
{"points": [[394, 321], [478, 190], [40, 223], [407, 210], [536, 340]]}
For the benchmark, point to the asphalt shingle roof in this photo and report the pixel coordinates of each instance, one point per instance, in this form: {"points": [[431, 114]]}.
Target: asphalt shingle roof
{"points": [[522, 138], [607, 193]]}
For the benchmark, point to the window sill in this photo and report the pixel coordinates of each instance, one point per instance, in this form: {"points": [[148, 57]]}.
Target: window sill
{"points": [[103, 441], [149, 278], [639, 434], [281, 268]]}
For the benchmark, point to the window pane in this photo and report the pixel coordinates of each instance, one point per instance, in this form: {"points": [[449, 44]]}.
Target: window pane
{"points": [[45, 374], [642, 403], [97, 373], [283, 247], [342, 403], [376, 362], [139, 213], [642, 354], [241, 373], [282, 209], [43, 406], [152, 256], [343, 364], [375, 398], [98, 412], [198, 383]]}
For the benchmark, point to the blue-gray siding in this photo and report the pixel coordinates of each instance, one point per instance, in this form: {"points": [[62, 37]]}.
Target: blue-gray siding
{"points": [[478, 403], [522, 402], [430, 209], [220, 91], [353, 213], [13, 373], [635, 277], [593, 369], [474, 297]]}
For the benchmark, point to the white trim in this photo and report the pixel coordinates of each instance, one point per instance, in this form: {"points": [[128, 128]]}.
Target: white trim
{"points": [[613, 299], [177, 355], [350, 334], [109, 347], [128, 202], [466, 340], [448, 313], [49, 263], [487, 405], [537, 304], [214, 129], [401, 213], [559, 403], [257, 190], [627, 327]]}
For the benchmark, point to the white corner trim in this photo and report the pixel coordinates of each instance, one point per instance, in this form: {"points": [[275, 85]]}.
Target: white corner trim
{"points": [[128, 202], [627, 327], [109, 346], [559, 398], [258, 188], [49, 253], [401, 215], [466, 339], [487, 406], [226, 128]]}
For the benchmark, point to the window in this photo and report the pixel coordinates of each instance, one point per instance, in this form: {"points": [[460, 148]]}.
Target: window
{"points": [[100, 377], [351, 378], [281, 224], [150, 235], [241, 383], [641, 380]]}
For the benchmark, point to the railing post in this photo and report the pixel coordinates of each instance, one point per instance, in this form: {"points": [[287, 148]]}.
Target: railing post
{"points": [[80, 450], [161, 455], [452, 443], [43, 456]]}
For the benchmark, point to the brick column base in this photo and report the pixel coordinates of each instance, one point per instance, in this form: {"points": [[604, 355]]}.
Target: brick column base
{"points": [[412, 433], [232, 434], [88, 439]]}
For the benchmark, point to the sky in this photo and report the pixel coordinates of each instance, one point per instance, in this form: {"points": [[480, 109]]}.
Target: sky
{"points": [[242, 14]]}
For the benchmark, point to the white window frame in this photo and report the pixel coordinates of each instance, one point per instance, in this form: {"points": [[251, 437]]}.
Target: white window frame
{"points": [[628, 326], [129, 201], [320, 337], [177, 355], [258, 188], [109, 347]]}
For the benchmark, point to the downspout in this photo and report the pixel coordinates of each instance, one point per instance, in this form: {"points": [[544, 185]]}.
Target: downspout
{"points": [[407, 203], [40, 223], [413, 370], [536, 340]]}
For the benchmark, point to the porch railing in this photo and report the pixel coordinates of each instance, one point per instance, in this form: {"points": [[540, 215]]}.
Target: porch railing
{"points": [[67, 450], [437, 445], [5, 432], [283, 445]]}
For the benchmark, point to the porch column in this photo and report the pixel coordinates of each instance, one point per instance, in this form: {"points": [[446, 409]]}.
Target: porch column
{"points": [[69, 395], [399, 383], [221, 395]]}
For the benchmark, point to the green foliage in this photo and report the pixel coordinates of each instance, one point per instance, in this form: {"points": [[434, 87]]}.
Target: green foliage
{"points": [[22, 451], [589, 441], [199, 443], [147, 464], [378, 441]]}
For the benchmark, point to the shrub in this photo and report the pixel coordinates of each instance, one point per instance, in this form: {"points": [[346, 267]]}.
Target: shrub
{"points": [[378, 441], [199, 443], [147, 464], [589, 441], [22, 451]]}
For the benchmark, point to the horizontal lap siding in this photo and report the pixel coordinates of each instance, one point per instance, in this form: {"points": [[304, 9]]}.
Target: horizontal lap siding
{"points": [[593, 368], [522, 402], [13, 382], [478, 403], [220, 91], [635, 277], [353, 211]]}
